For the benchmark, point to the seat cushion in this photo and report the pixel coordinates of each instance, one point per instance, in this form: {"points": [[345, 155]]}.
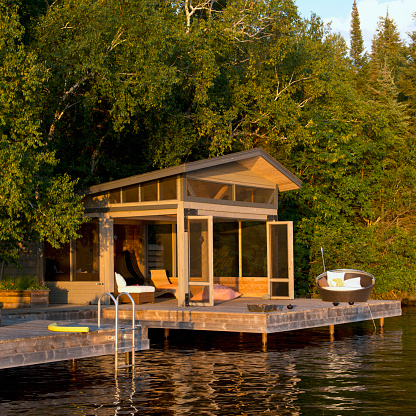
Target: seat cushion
{"points": [[354, 282], [138, 289], [341, 288], [121, 283], [335, 279]]}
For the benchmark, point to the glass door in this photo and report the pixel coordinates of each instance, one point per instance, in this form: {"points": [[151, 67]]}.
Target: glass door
{"points": [[280, 259], [201, 276]]}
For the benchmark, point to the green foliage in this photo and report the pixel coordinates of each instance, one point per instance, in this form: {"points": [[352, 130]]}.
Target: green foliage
{"points": [[33, 202], [106, 89], [22, 282]]}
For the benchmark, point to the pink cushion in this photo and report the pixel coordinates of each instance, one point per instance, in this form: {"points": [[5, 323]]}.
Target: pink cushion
{"points": [[221, 292]]}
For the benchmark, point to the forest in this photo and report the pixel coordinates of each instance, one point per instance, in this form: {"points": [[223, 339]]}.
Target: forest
{"points": [[97, 90]]}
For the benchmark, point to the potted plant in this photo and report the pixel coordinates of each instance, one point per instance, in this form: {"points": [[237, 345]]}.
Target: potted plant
{"points": [[23, 292]]}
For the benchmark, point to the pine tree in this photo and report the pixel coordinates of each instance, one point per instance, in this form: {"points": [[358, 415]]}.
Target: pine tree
{"points": [[408, 79], [387, 51], [359, 58]]}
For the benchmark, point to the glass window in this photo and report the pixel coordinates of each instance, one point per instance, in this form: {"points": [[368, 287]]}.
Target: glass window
{"points": [[159, 247], [254, 249], [257, 195], [168, 188], [149, 191], [211, 190], [57, 263], [280, 289], [115, 196], [198, 250], [87, 253], [279, 247], [131, 194], [226, 249]]}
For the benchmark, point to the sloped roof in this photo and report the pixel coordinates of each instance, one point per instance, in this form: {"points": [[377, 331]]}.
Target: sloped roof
{"points": [[256, 160]]}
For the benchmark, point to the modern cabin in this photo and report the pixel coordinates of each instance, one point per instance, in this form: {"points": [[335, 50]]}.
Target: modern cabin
{"points": [[213, 221]]}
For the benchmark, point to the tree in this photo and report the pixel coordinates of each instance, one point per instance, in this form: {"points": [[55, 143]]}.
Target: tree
{"points": [[357, 50], [387, 50], [112, 67], [407, 80], [34, 204]]}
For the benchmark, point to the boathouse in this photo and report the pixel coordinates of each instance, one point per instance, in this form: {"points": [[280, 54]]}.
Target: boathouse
{"points": [[205, 223]]}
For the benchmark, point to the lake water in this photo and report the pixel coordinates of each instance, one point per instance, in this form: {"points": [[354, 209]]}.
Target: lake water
{"points": [[205, 373]]}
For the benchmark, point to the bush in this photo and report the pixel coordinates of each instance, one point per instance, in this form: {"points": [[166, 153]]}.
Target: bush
{"points": [[21, 283]]}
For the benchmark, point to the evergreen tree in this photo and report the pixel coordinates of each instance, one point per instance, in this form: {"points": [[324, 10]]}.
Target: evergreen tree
{"points": [[387, 50], [408, 79], [357, 50]]}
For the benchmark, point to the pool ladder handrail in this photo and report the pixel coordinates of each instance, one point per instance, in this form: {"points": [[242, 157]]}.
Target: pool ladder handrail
{"points": [[117, 348]]}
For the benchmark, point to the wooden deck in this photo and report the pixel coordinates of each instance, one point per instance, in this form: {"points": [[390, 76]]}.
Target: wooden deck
{"points": [[233, 316], [26, 340]]}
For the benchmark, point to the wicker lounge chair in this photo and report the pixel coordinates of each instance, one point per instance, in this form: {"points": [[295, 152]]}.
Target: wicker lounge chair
{"points": [[346, 293], [140, 294]]}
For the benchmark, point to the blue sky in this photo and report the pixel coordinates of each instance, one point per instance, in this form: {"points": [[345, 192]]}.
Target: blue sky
{"points": [[339, 12]]}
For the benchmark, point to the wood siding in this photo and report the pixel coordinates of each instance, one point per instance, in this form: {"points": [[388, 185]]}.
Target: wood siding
{"points": [[74, 292]]}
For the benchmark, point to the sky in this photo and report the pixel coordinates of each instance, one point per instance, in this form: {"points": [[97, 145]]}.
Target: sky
{"points": [[339, 13]]}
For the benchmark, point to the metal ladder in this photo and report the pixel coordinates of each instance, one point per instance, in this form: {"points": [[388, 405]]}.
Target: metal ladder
{"points": [[130, 349]]}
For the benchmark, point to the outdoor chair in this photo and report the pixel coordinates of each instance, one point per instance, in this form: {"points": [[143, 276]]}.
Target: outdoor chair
{"points": [[162, 283], [140, 294]]}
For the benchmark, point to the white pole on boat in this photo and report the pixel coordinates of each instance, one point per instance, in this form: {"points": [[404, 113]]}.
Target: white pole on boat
{"points": [[323, 260]]}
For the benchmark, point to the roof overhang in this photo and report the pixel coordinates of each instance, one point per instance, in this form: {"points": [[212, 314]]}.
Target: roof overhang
{"points": [[256, 160]]}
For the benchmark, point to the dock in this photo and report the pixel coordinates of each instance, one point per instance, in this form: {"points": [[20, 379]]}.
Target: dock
{"points": [[26, 340], [234, 316]]}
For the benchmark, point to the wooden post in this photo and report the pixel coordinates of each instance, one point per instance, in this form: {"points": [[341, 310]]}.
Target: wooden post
{"points": [[381, 322], [166, 332], [264, 338]]}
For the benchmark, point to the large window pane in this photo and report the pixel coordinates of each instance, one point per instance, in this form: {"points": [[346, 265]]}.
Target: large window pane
{"points": [[115, 196], [198, 251], [211, 190], [57, 263], [279, 251], [257, 195], [131, 194], [254, 249], [160, 253], [87, 253], [149, 191], [167, 188], [226, 249]]}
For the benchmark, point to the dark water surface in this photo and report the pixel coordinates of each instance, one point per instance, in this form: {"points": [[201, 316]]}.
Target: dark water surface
{"points": [[206, 373]]}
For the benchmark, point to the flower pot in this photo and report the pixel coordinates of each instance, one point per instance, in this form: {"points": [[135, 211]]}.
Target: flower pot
{"points": [[10, 299]]}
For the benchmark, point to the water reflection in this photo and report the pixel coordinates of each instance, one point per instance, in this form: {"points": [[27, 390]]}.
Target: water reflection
{"points": [[205, 373]]}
